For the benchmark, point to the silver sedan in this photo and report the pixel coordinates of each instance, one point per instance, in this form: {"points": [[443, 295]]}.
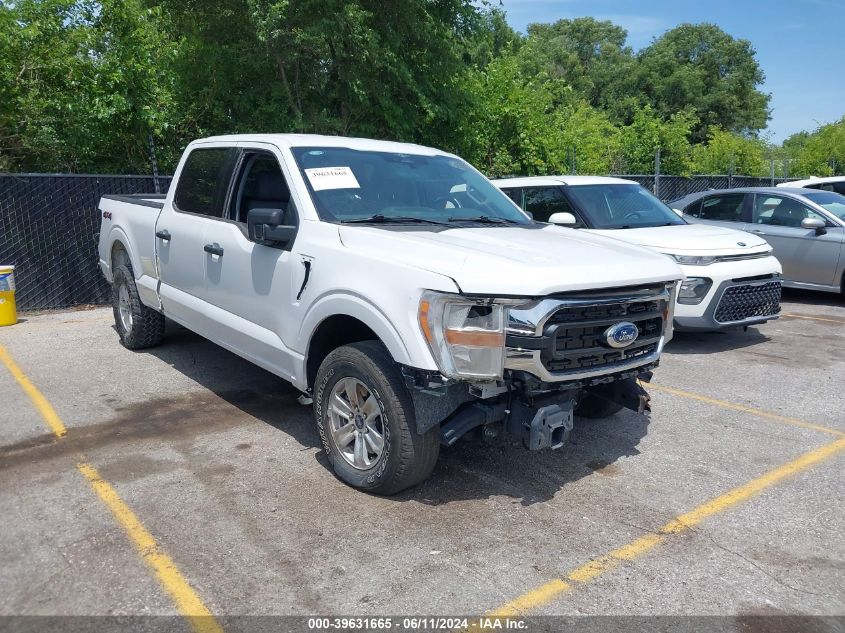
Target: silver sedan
{"points": [[806, 228]]}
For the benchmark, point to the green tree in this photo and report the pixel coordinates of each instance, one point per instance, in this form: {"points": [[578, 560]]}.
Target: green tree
{"points": [[586, 140], [725, 152], [587, 56], [506, 126], [817, 153], [700, 67], [647, 132], [80, 85]]}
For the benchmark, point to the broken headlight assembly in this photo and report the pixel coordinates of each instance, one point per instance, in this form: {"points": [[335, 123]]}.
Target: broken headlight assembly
{"points": [[466, 335]]}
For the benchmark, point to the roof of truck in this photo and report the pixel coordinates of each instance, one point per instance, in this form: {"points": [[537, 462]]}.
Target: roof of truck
{"points": [[551, 181], [318, 140]]}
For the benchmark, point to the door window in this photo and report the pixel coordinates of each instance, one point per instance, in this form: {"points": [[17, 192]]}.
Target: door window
{"points": [[542, 202], [514, 194], [262, 185], [204, 181], [835, 187], [781, 211], [723, 208]]}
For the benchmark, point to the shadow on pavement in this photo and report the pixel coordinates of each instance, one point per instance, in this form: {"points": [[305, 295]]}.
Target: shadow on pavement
{"points": [[813, 297], [715, 342], [470, 470]]}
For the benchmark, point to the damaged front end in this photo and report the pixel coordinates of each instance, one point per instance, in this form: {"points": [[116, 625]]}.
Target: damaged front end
{"points": [[539, 415], [576, 354]]}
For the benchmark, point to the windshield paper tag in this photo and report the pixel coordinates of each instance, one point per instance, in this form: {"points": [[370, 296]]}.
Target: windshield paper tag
{"points": [[332, 178]]}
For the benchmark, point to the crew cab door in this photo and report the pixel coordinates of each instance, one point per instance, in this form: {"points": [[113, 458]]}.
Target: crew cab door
{"points": [[728, 209], [197, 204], [255, 285], [806, 256]]}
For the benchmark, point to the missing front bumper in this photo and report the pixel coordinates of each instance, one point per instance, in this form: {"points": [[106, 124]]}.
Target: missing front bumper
{"points": [[540, 423]]}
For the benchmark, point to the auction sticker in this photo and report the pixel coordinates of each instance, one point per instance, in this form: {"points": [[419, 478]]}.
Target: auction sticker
{"points": [[332, 178]]}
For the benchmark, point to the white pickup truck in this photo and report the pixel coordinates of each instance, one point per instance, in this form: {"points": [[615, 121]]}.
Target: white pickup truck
{"points": [[396, 287]]}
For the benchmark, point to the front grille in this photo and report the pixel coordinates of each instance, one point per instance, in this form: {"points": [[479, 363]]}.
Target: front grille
{"points": [[578, 341], [739, 303]]}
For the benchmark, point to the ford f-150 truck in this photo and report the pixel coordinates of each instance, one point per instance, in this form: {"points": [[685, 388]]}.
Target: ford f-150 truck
{"points": [[393, 285]]}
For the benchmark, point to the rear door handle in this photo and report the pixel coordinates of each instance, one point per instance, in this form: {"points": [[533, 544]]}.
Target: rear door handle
{"points": [[214, 249], [163, 234]]}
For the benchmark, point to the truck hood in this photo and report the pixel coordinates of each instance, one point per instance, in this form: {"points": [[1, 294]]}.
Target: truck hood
{"points": [[691, 239], [516, 261]]}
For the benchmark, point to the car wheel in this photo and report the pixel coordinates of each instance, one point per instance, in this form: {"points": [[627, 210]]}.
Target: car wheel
{"points": [[137, 325], [365, 417]]}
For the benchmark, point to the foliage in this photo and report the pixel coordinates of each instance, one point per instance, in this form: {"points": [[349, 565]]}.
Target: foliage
{"points": [[85, 83], [699, 66], [506, 127], [648, 132], [587, 56], [730, 153], [818, 153], [79, 85]]}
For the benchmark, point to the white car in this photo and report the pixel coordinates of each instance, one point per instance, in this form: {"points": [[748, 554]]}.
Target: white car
{"points": [[732, 278], [410, 312], [835, 184]]}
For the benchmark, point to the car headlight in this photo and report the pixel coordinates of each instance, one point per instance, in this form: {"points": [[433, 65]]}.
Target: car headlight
{"points": [[693, 290], [694, 260], [465, 335]]}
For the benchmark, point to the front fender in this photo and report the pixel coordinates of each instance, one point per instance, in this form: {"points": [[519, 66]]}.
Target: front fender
{"points": [[369, 314]]}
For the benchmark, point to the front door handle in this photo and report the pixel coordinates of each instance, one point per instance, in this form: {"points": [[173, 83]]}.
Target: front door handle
{"points": [[214, 249], [163, 234]]}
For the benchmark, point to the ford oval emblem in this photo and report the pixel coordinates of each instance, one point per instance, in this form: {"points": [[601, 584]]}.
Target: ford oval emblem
{"points": [[741, 244], [621, 334]]}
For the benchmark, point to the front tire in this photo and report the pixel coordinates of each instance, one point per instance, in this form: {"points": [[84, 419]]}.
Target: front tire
{"points": [[137, 325], [365, 417]]}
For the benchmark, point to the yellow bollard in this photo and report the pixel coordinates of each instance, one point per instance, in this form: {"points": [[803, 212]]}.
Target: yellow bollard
{"points": [[8, 308]]}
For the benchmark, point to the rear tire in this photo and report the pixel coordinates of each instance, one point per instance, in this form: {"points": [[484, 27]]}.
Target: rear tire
{"points": [[365, 417], [591, 406], [137, 325]]}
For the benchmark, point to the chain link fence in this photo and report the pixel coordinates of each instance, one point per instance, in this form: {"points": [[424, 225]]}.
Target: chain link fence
{"points": [[669, 188], [48, 224]]}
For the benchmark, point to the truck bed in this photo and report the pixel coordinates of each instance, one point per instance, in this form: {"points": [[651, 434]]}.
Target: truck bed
{"points": [[154, 200]]}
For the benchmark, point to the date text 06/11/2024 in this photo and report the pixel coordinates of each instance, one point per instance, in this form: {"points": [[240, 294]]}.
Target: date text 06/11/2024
{"points": [[417, 623]]}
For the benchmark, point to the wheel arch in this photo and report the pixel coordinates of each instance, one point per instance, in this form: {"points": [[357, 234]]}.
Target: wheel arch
{"points": [[120, 251], [335, 331]]}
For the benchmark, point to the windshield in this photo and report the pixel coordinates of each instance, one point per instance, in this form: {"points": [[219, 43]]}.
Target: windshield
{"points": [[349, 185], [621, 206], [833, 202]]}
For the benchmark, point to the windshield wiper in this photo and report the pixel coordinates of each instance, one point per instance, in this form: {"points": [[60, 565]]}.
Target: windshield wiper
{"points": [[483, 219], [391, 219]]}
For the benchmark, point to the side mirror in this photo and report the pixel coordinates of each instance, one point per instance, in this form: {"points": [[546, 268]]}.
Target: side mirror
{"points": [[814, 223], [264, 226], [563, 218]]}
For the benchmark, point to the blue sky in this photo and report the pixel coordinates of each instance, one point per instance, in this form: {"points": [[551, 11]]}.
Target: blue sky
{"points": [[800, 44]]}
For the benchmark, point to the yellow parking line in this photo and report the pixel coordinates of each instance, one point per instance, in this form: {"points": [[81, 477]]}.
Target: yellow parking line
{"points": [[41, 403], [549, 591], [812, 318], [186, 599], [741, 407]]}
